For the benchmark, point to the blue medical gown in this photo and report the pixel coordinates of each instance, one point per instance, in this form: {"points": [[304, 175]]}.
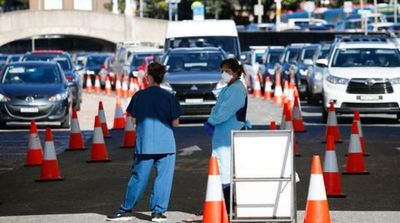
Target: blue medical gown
{"points": [[223, 117]]}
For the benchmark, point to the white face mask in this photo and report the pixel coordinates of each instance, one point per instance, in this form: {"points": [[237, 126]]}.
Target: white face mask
{"points": [[226, 77]]}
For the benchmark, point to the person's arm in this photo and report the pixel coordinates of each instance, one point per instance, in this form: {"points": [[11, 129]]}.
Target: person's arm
{"points": [[175, 123]]}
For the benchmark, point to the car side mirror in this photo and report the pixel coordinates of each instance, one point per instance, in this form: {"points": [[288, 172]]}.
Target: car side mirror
{"points": [[308, 62], [243, 57], [322, 62]]}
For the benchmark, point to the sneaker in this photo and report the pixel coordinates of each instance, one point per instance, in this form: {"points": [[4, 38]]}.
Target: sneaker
{"points": [[120, 216], [157, 217]]}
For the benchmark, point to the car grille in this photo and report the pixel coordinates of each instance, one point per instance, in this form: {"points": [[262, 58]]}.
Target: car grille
{"points": [[369, 86], [187, 91], [370, 105]]}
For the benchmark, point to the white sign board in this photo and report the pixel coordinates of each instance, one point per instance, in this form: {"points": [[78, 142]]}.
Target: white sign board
{"points": [[258, 9], [53, 4], [263, 174], [348, 7], [83, 5], [309, 6]]}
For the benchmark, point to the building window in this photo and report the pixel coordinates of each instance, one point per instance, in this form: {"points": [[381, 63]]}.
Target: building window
{"points": [[53, 4], [83, 5]]}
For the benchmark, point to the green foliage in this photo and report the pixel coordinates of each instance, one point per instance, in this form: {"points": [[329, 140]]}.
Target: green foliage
{"points": [[156, 9]]}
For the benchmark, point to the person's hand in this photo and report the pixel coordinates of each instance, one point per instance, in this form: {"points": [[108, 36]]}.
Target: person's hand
{"points": [[208, 128]]}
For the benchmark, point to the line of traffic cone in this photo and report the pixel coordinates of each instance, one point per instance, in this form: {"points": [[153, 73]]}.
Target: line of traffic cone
{"points": [[118, 91], [332, 127], [34, 156], [278, 94], [107, 87], [214, 210], [331, 173], [317, 209], [103, 120], [285, 93], [289, 126], [50, 170], [267, 89], [98, 151], [298, 123], [124, 87], [133, 87], [355, 161], [119, 119], [89, 86], [129, 140], [362, 139], [97, 86], [257, 88], [75, 138]]}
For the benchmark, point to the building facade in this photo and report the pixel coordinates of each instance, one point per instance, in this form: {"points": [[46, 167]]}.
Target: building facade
{"points": [[86, 5]]}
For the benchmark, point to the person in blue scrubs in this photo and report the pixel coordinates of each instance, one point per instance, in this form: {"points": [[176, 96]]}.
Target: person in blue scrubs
{"points": [[155, 112], [228, 114]]}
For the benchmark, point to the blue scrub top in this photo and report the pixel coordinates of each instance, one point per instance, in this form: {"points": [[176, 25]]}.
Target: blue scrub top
{"points": [[154, 109]]}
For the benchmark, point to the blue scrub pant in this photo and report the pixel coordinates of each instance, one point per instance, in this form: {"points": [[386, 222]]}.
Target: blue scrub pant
{"points": [[164, 165]]}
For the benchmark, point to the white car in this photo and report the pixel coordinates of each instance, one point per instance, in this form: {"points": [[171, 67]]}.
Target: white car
{"points": [[363, 73]]}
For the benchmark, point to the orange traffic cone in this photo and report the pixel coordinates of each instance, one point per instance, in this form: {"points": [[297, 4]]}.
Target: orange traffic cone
{"points": [[256, 88], [34, 156], [355, 160], [285, 93], [289, 126], [317, 210], [107, 87], [125, 87], [362, 140], [97, 87], [129, 140], [103, 120], [99, 150], [290, 95], [214, 210], [75, 138], [89, 86], [119, 120], [278, 89], [133, 87], [267, 89], [50, 170], [332, 126], [272, 126], [298, 124], [118, 91], [331, 173], [286, 107]]}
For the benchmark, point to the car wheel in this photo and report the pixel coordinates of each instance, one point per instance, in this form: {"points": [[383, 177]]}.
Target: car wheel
{"points": [[67, 122]]}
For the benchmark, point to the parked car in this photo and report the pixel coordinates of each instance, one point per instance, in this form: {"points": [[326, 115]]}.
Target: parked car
{"points": [[92, 65], [106, 70], [13, 58], [289, 62], [271, 59], [34, 91], [65, 61], [3, 60], [194, 77], [307, 57]]}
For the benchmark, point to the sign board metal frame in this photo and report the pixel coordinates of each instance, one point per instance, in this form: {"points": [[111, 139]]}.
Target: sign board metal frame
{"points": [[262, 164]]}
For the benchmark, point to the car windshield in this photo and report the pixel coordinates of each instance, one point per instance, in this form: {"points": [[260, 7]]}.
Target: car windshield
{"points": [[308, 54], [62, 60], [95, 61], [139, 59], [3, 58], [274, 57], [353, 25], [259, 57], [323, 53], [292, 55], [193, 62], [366, 58], [31, 74]]}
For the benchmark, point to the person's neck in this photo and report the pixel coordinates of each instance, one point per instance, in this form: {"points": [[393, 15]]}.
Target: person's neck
{"points": [[154, 85], [232, 81]]}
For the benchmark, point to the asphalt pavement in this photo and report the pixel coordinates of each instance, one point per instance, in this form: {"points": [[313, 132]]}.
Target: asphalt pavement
{"points": [[91, 191]]}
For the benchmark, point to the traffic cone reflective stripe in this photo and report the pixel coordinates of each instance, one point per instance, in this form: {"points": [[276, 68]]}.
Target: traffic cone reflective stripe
{"points": [[133, 87], [360, 133], [50, 170], [119, 120], [125, 87], [278, 89], [285, 93], [214, 210], [75, 138], [298, 124], [317, 209], [107, 86], [332, 126], [97, 86], [34, 156], [257, 88], [355, 160], [89, 86], [98, 152], [129, 139], [267, 89], [118, 91], [103, 120], [331, 173]]}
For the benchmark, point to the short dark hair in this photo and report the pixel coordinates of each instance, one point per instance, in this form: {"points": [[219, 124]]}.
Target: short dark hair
{"points": [[234, 65], [157, 71]]}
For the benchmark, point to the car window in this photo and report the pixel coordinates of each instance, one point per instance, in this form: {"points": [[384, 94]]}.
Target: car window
{"points": [[93, 61], [366, 58], [292, 55], [308, 54], [274, 57], [30, 74], [61, 59], [193, 62]]}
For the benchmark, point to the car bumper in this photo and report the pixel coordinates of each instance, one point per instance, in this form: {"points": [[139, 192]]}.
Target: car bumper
{"points": [[365, 103], [197, 109], [15, 112]]}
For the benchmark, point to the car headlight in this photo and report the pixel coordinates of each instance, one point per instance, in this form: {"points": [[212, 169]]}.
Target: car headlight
{"points": [[59, 97], [303, 72], [218, 88], [336, 80], [395, 80], [168, 87], [318, 76], [4, 98]]}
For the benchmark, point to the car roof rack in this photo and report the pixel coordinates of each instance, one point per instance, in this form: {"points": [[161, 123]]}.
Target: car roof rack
{"points": [[377, 38]]}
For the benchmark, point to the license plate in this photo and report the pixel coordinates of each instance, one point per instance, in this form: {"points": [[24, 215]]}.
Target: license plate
{"points": [[369, 98], [29, 110], [194, 100]]}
